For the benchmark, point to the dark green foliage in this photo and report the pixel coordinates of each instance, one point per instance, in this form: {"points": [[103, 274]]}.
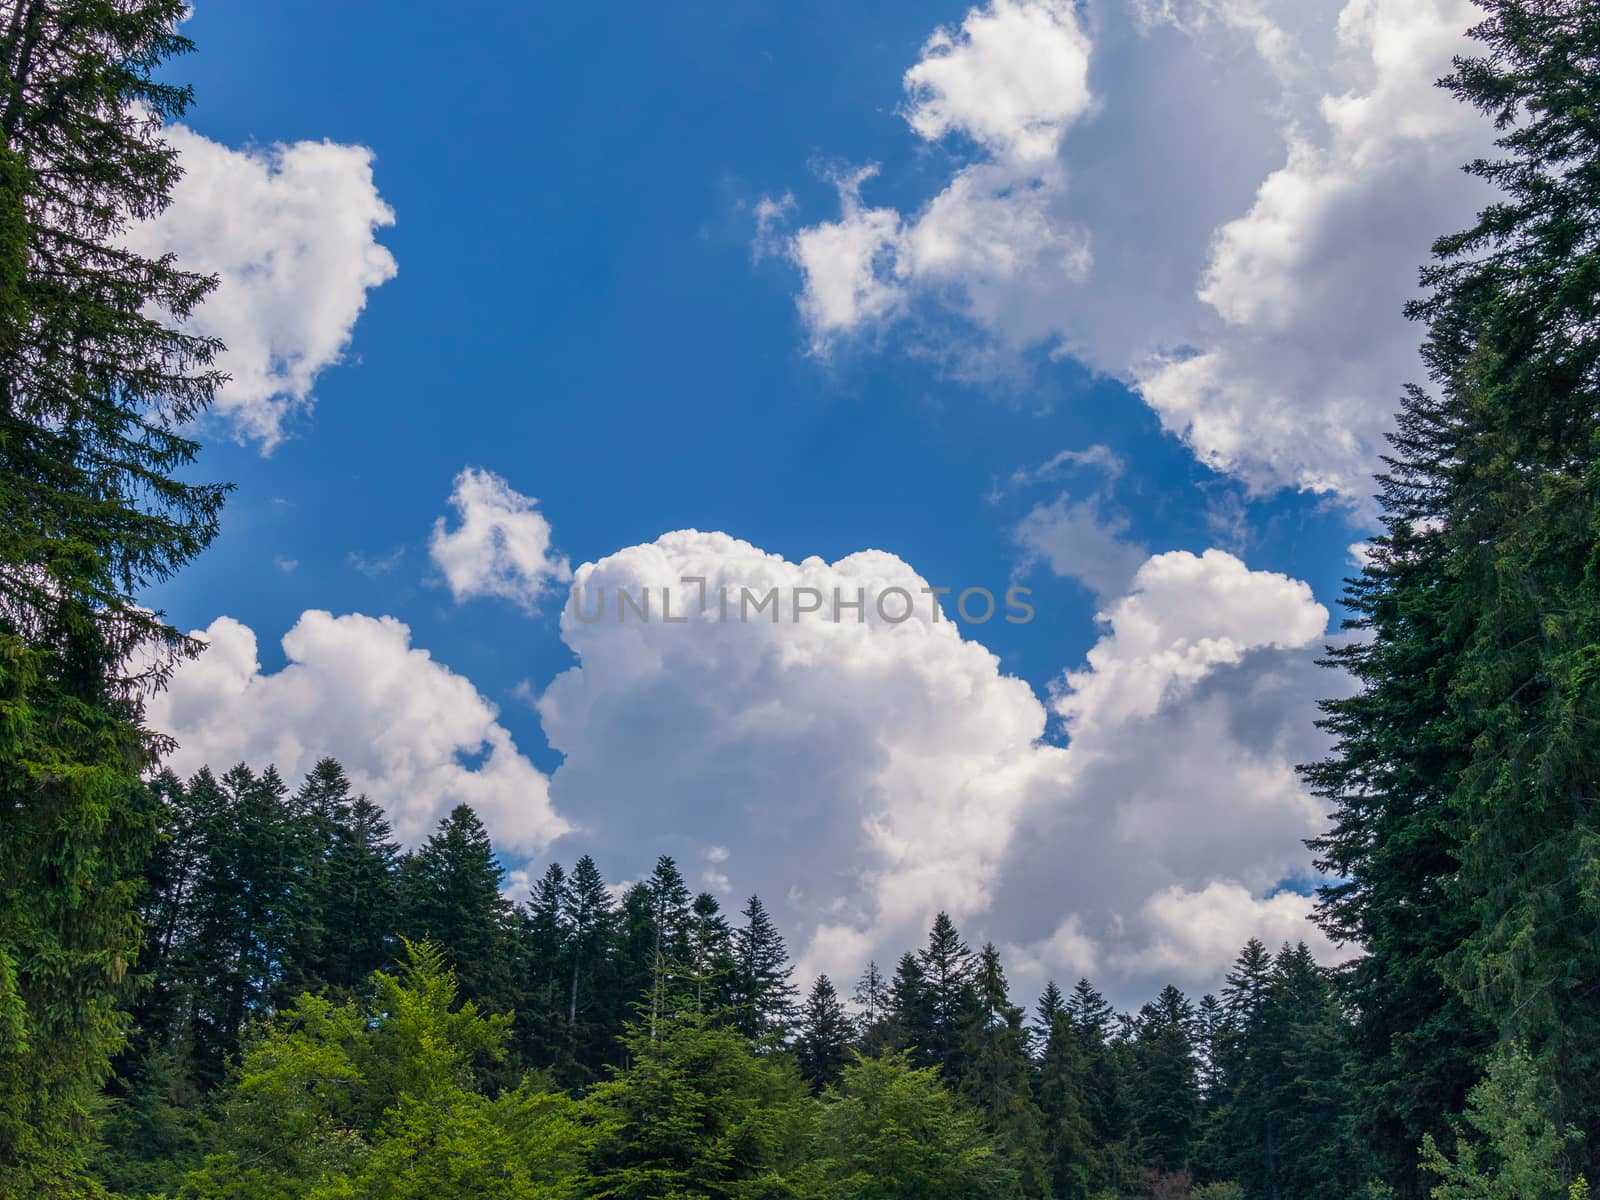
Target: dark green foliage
{"points": [[449, 894], [1165, 1083], [822, 1044], [1465, 840], [764, 999], [94, 380]]}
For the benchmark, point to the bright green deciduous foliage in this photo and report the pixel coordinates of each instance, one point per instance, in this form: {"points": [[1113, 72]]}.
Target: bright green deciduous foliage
{"points": [[93, 385], [383, 1102], [891, 1132], [697, 1113], [1509, 1149]]}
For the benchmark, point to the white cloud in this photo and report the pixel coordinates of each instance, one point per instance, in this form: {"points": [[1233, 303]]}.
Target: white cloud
{"points": [[1259, 183], [1191, 932], [1079, 542], [501, 546], [848, 264], [290, 231], [415, 736], [1186, 615], [917, 775], [1013, 78]]}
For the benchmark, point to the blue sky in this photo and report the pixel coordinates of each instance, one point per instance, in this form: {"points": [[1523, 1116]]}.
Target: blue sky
{"points": [[614, 236]]}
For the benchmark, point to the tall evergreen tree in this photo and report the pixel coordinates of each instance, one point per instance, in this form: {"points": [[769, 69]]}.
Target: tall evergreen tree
{"points": [[449, 895], [947, 971], [764, 999], [593, 986], [996, 1072], [711, 968], [96, 377], [1165, 1082], [1464, 838], [1513, 319], [361, 913], [822, 1043], [1073, 1156], [909, 1023]]}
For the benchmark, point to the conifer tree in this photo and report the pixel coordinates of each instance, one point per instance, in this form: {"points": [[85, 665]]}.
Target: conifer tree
{"points": [[909, 1024], [996, 1071], [362, 905], [96, 378], [764, 999], [822, 1044], [873, 1010], [449, 895], [712, 970], [947, 971], [593, 985], [1076, 1161], [1165, 1082], [542, 1007]]}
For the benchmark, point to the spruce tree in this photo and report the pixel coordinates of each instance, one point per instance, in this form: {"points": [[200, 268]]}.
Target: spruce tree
{"points": [[593, 986], [947, 971], [1165, 1083], [96, 378], [1076, 1161], [449, 895], [764, 999], [822, 1044], [996, 1072], [361, 913], [1464, 841], [711, 969]]}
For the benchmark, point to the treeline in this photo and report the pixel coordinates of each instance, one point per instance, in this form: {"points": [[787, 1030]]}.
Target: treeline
{"points": [[268, 910]]}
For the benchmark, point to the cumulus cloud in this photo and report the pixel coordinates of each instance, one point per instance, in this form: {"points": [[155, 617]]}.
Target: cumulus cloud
{"points": [[1258, 184], [1013, 78], [414, 735], [1209, 925], [501, 546], [919, 776], [290, 231]]}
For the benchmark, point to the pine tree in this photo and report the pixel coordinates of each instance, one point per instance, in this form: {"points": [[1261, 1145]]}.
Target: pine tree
{"points": [[1075, 1160], [711, 969], [449, 895], [909, 1024], [822, 1045], [1165, 1082], [542, 1005], [593, 988], [764, 999], [873, 1010], [96, 377], [1464, 838], [947, 970], [320, 811], [1052, 1007], [361, 913], [1514, 344], [996, 1080], [667, 911]]}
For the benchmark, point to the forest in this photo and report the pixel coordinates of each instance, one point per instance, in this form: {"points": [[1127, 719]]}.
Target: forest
{"points": [[240, 986]]}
